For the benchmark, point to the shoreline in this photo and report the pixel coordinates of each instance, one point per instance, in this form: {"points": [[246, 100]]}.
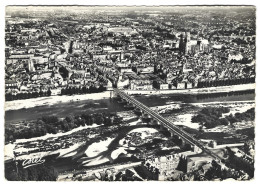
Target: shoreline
{"points": [[51, 100], [208, 90]]}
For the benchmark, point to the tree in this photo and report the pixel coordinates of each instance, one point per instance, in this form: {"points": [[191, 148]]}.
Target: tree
{"points": [[70, 119], [65, 125], [84, 90], [201, 129], [231, 119], [107, 121], [99, 119], [49, 119], [90, 120], [73, 90], [148, 165], [49, 92], [63, 91], [157, 171], [69, 91], [41, 93], [79, 121], [224, 121]]}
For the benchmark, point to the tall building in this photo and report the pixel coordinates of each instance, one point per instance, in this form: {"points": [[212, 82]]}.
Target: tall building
{"points": [[188, 46], [184, 45]]}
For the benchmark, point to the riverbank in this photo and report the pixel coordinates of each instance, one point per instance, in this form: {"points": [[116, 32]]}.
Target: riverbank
{"points": [[41, 101], [209, 90], [34, 102]]}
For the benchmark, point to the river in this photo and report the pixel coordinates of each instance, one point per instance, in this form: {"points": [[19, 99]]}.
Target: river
{"points": [[111, 105]]}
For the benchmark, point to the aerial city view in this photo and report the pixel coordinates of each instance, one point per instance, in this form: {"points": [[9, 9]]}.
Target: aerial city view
{"points": [[98, 93]]}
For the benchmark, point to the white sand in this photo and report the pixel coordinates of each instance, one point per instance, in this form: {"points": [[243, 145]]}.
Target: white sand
{"points": [[56, 135], [10, 148], [29, 103], [134, 122], [135, 173], [165, 108], [9, 151], [224, 103], [19, 104], [68, 152], [170, 148], [22, 149], [96, 161], [235, 106], [126, 115], [145, 132], [96, 148], [185, 120], [239, 108], [117, 152]]}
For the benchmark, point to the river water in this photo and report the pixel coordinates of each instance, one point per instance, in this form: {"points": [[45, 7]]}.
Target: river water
{"points": [[111, 105]]}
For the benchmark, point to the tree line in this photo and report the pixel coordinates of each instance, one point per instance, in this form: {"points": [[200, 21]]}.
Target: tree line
{"points": [[64, 91], [226, 82], [26, 95], [53, 124], [223, 94], [211, 117], [82, 90]]}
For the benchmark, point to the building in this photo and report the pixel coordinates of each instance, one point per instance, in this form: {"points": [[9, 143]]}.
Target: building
{"points": [[11, 84], [186, 45], [168, 164]]}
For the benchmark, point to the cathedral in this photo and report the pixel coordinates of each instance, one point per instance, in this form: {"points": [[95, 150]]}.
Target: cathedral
{"points": [[188, 46]]}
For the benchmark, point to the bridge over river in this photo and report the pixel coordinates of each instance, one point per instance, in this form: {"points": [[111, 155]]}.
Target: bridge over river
{"points": [[173, 129]]}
